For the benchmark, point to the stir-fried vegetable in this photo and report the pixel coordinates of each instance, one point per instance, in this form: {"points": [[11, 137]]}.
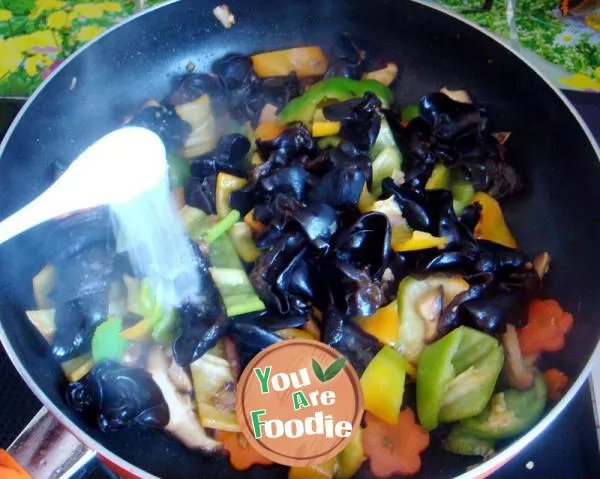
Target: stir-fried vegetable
{"points": [[215, 393], [546, 328], [325, 470], [352, 457], [384, 324], [491, 224], [383, 384], [456, 376], [394, 449], [460, 441], [304, 61], [303, 108], [419, 310], [509, 413], [107, 342], [242, 455], [556, 383], [315, 207]]}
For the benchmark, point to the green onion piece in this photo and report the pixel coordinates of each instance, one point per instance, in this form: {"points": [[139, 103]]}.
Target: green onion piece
{"points": [[221, 227]]}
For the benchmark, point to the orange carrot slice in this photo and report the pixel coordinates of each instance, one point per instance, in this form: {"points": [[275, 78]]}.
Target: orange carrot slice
{"points": [[394, 448]]}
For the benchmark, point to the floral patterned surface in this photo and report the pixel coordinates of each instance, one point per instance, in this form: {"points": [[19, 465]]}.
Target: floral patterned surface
{"points": [[37, 35], [570, 42]]}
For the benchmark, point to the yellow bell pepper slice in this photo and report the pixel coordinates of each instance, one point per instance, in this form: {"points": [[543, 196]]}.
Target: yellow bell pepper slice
{"points": [[325, 470], [420, 240], [351, 457], [325, 128], [241, 237], [255, 225], [365, 201], [256, 160], [492, 226], [305, 61], [383, 384], [211, 377], [296, 333], [268, 131], [384, 324], [77, 367], [140, 330], [226, 183]]}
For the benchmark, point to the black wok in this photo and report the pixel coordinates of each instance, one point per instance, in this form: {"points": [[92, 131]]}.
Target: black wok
{"points": [[113, 76]]}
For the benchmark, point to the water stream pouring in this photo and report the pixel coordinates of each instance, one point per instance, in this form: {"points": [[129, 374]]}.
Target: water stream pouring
{"points": [[127, 170]]}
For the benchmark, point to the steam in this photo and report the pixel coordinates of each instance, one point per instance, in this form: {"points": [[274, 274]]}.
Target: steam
{"points": [[158, 245]]}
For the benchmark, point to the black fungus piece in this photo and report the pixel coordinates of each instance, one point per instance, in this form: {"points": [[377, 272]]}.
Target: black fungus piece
{"points": [[451, 261], [319, 223], [203, 321], [244, 198], [70, 236], [456, 134], [164, 121], [190, 86], [411, 203], [279, 91], [250, 339], [493, 300], [197, 333], [81, 299], [287, 181], [449, 119], [247, 94], [271, 322], [360, 118], [470, 216], [345, 155], [451, 316], [76, 321], [366, 244], [396, 270], [116, 396], [340, 188], [309, 283], [201, 193], [294, 141], [229, 156], [347, 59], [234, 70], [496, 258], [495, 310], [347, 338], [272, 270], [354, 291], [432, 211]]}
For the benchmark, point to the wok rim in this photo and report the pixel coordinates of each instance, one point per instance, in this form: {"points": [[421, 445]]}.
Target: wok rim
{"points": [[482, 469]]}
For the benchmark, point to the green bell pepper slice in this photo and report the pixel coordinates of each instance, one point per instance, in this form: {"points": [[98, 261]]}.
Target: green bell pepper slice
{"points": [[469, 392], [337, 89], [164, 330], [107, 342], [509, 413], [179, 169], [409, 112], [461, 441], [456, 376]]}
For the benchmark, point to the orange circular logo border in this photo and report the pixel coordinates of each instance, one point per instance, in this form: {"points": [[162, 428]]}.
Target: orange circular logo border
{"points": [[243, 414]]}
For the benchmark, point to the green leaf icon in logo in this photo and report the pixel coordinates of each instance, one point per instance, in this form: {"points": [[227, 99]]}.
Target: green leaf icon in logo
{"points": [[332, 371], [318, 370]]}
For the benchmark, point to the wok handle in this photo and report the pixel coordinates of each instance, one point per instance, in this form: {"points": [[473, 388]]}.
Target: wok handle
{"points": [[47, 450]]}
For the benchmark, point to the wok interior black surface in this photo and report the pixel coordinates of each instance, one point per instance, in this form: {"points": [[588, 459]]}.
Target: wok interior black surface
{"points": [[115, 75]]}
